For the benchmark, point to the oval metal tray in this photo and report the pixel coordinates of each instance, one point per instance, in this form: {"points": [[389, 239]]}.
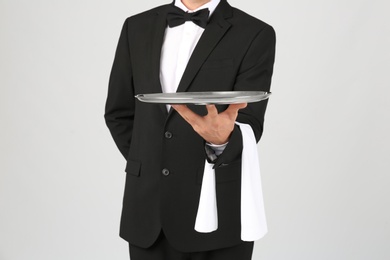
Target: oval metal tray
{"points": [[205, 98]]}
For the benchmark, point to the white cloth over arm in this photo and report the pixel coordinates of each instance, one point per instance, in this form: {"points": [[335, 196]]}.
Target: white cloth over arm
{"points": [[253, 220], [207, 216]]}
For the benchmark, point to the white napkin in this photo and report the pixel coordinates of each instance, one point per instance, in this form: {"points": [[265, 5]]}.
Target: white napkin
{"points": [[253, 220], [207, 217]]}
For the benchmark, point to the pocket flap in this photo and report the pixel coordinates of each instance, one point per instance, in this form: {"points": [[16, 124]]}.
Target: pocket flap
{"points": [[133, 167], [217, 64]]}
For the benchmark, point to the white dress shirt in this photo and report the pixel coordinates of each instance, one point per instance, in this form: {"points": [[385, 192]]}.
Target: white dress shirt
{"points": [[179, 43]]}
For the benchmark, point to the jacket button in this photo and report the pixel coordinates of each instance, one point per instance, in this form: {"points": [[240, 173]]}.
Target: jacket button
{"points": [[165, 172], [168, 135]]}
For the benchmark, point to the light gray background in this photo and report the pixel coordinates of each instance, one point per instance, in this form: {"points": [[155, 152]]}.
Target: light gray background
{"points": [[325, 150]]}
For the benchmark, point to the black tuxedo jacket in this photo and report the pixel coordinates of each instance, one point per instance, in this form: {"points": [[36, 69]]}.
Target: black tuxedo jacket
{"points": [[165, 156]]}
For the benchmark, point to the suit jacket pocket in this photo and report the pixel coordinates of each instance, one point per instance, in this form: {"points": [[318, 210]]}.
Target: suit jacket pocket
{"points": [[133, 167], [225, 173], [217, 64]]}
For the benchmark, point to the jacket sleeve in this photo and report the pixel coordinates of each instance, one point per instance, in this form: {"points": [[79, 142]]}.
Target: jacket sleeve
{"points": [[254, 75], [120, 104]]}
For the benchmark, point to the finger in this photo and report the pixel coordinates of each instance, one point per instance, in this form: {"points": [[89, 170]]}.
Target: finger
{"points": [[240, 105], [186, 113], [233, 108], [180, 107], [211, 110]]}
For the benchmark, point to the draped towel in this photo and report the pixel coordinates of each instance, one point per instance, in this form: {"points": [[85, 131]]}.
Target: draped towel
{"points": [[253, 220]]}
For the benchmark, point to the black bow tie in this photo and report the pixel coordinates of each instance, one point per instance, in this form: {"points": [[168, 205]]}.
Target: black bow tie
{"points": [[176, 17]]}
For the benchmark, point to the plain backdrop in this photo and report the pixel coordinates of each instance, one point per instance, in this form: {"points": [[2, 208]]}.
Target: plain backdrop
{"points": [[324, 153]]}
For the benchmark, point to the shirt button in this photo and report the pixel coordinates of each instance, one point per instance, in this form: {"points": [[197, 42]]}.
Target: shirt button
{"points": [[165, 172], [168, 135]]}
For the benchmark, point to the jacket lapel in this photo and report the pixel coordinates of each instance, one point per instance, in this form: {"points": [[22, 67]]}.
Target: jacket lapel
{"points": [[157, 39]]}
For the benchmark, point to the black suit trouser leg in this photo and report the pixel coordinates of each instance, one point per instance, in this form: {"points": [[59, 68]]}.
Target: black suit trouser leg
{"points": [[162, 250]]}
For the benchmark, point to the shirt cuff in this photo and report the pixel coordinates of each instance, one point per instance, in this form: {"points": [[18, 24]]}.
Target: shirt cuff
{"points": [[217, 148]]}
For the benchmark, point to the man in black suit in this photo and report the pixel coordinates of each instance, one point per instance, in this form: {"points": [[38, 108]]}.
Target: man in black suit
{"points": [[173, 48]]}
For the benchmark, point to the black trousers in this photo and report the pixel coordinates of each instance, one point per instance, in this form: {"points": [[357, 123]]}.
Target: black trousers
{"points": [[162, 250]]}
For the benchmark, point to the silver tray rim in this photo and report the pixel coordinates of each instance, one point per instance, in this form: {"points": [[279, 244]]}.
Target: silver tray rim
{"points": [[204, 98]]}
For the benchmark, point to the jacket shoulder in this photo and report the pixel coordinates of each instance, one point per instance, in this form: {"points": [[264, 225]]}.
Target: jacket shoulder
{"points": [[146, 14], [249, 22]]}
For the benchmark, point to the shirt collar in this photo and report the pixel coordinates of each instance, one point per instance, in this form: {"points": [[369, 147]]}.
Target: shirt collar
{"points": [[210, 5]]}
